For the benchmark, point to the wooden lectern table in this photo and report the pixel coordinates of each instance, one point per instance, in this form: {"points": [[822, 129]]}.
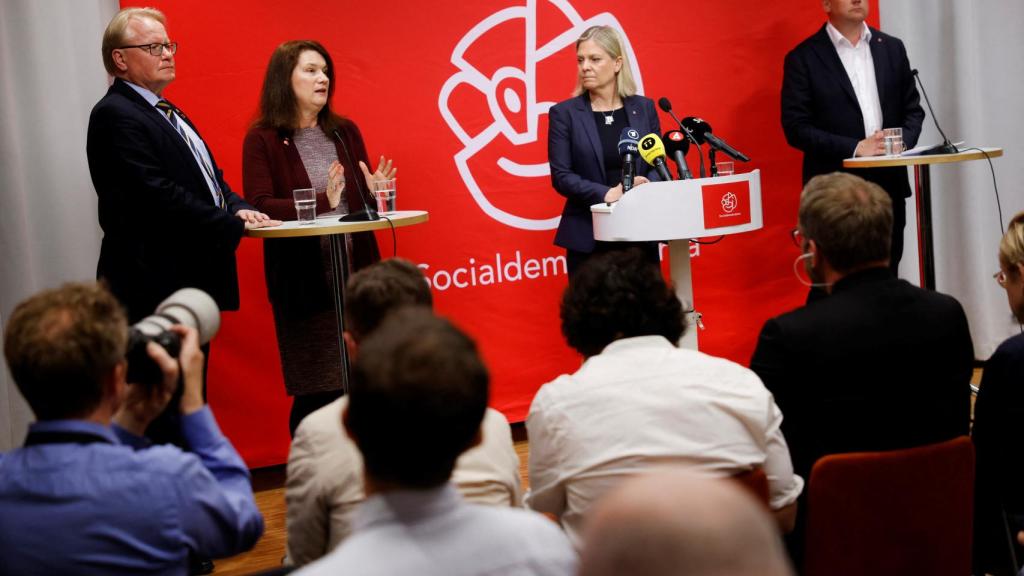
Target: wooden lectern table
{"points": [[336, 230], [676, 212], [923, 192]]}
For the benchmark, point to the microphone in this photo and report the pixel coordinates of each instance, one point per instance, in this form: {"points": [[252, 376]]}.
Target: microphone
{"points": [[702, 131], [653, 152], [676, 145], [369, 211], [946, 147], [665, 105], [628, 142]]}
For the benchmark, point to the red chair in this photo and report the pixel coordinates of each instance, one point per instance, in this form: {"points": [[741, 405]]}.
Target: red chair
{"points": [[898, 512]]}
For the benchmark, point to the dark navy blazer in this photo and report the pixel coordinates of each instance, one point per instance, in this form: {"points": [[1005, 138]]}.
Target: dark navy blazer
{"points": [[821, 115], [162, 229], [577, 162]]}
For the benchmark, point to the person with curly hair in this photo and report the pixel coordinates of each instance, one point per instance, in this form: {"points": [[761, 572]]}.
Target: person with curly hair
{"points": [[640, 402]]}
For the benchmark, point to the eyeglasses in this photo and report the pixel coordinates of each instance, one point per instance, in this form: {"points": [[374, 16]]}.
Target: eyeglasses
{"points": [[155, 49], [1000, 278]]}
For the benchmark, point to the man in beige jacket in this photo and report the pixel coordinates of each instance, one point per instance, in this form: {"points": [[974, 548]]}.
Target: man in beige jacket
{"points": [[325, 469]]}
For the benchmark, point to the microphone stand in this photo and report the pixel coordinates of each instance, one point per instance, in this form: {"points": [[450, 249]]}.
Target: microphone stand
{"points": [[712, 161], [369, 211], [700, 156], [946, 147]]}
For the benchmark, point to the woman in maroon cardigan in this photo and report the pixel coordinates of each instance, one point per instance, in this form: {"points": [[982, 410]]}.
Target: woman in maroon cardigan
{"points": [[298, 142]]}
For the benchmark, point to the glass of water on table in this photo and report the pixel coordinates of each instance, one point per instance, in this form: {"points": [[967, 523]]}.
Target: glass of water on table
{"points": [[892, 139], [305, 205], [384, 194]]}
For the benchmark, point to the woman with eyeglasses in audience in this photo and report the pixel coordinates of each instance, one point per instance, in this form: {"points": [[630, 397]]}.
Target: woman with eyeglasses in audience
{"points": [[999, 428]]}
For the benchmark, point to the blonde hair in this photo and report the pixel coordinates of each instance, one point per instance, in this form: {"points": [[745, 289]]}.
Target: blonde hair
{"points": [[1011, 247], [113, 36], [609, 40], [849, 218]]}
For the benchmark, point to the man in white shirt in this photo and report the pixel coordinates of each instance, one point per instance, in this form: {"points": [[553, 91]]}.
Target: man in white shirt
{"points": [[325, 469], [418, 395], [840, 88], [639, 402]]}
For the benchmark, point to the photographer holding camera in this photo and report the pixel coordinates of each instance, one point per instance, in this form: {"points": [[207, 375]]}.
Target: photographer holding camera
{"points": [[86, 479]]}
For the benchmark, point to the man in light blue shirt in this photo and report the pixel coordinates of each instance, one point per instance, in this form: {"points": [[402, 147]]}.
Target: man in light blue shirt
{"points": [[85, 494], [418, 395]]}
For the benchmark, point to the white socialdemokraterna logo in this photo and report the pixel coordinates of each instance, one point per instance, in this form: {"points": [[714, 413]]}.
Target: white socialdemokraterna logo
{"points": [[468, 74], [729, 202]]}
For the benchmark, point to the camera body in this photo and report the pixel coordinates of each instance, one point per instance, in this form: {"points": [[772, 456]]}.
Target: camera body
{"points": [[189, 307]]}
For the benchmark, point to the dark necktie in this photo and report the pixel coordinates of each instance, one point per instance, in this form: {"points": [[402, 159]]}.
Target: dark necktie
{"points": [[168, 109]]}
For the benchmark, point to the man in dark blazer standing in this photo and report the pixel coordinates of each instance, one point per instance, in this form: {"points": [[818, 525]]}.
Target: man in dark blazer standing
{"points": [[878, 364], [169, 219], [840, 88]]}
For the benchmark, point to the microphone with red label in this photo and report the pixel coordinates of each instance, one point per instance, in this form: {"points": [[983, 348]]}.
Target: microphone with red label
{"points": [[653, 152], [676, 145], [665, 105]]}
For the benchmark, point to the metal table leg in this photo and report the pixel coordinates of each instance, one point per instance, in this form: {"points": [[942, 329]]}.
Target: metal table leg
{"points": [[339, 276], [925, 248]]}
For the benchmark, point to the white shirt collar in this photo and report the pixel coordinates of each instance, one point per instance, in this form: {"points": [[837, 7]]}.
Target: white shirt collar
{"points": [[623, 344], [838, 38]]}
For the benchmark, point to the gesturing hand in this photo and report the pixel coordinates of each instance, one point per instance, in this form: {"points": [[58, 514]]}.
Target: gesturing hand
{"points": [[335, 183], [384, 171]]}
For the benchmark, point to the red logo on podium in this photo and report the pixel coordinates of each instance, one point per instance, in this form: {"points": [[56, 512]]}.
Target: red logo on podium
{"points": [[726, 204]]}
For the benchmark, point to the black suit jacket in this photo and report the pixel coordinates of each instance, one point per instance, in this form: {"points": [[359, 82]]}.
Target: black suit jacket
{"points": [[162, 229], [821, 115], [999, 466], [577, 162], [877, 365]]}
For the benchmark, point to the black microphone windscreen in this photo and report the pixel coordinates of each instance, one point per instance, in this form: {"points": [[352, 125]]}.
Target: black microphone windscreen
{"points": [[675, 140], [664, 104], [628, 141], [697, 127]]}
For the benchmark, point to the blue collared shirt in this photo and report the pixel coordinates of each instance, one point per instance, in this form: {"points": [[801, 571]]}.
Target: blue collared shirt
{"points": [[107, 508], [435, 533]]}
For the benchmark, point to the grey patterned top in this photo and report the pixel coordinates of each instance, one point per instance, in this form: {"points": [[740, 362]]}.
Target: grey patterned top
{"points": [[318, 152]]}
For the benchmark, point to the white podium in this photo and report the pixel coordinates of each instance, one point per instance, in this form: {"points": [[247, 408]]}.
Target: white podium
{"points": [[678, 211]]}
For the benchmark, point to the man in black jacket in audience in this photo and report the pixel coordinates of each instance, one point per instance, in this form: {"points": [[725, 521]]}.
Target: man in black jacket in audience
{"points": [[877, 364]]}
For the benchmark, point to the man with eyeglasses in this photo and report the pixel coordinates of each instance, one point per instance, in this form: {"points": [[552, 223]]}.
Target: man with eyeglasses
{"points": [[169, 219], [879, 364]]}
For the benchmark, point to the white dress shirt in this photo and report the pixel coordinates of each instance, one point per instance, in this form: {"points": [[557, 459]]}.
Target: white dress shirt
{"points": [[643, 403], [324, 484], [435, 533], [860, 67]]}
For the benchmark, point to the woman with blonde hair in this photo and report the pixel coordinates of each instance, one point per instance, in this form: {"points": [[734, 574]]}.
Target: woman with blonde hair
{"points": [[998, 432], [583, 137]]}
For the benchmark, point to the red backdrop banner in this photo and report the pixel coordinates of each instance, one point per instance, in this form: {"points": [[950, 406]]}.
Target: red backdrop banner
{"points": [[457, 93]]}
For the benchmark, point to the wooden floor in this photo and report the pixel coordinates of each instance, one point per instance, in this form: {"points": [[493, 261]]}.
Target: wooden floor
{"points": [[268, 484]]}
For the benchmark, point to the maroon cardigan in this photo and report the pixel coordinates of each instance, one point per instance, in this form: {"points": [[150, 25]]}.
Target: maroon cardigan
{"points": [[271, 169]]}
